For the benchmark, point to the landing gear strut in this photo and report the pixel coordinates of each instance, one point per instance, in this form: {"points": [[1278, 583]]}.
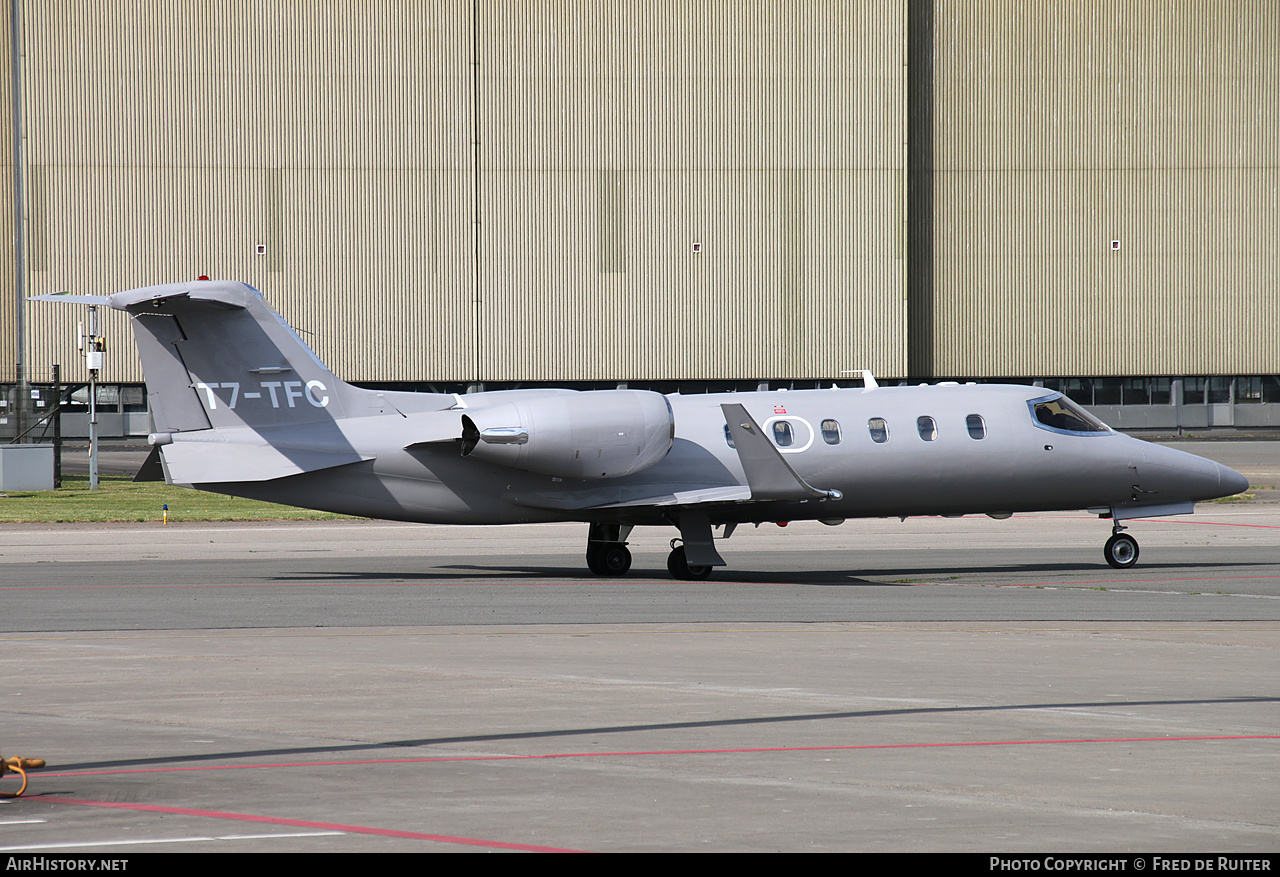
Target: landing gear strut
{"points": [[607, 553], [1121, 550]]}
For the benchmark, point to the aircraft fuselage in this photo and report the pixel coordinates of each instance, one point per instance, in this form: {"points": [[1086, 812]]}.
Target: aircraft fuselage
{"points": [[1002, 462]]}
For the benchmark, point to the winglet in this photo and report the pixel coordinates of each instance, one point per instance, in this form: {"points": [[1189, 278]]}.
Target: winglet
{"points": [[769, 476]]}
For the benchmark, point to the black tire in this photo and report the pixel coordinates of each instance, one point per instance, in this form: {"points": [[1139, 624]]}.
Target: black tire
{"points": [[614, 560], [680, 568], [593, 559], [1121, 551]]}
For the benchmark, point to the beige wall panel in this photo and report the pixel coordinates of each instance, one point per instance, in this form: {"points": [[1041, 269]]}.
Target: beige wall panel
{"points": [[348, 83], [1062, 127], [169, 140], [1033, 286], [625, 134], [789, 282], [1095, 84], [8, 276], [8, 280], [369, 265], [679, 85]]}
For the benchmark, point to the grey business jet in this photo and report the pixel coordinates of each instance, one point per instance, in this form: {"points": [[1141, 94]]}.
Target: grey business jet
{"points": [[242, 406]]}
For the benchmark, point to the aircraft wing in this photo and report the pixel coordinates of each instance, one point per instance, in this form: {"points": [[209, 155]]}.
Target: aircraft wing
{"points": [[769, 479]]}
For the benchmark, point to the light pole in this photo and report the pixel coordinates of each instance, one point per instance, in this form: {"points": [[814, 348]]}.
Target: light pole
{"points": [[94, 346]]}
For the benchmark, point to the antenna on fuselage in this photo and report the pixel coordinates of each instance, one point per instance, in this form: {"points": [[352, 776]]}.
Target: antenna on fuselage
{"points": [[868, 379]]}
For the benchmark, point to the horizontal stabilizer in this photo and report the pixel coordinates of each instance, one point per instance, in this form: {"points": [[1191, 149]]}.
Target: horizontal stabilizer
{"points": [[197, 462], [68, 298]]}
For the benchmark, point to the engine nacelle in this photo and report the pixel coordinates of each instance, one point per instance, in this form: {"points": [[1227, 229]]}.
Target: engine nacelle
{"points": [[596, 434]]}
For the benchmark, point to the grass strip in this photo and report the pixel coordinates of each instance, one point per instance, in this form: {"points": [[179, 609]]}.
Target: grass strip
{"points": [[118, 498]]}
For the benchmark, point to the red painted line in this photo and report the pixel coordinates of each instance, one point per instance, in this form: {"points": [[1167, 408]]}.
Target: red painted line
{"points": [[1208, 523], [310, 584], [304, 823], [624, 753]]}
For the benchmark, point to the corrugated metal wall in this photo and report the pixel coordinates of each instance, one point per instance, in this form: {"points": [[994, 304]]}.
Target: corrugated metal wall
{"points": [[1107, 187], [8, 281], [667, 190], [172, 139], [692, 190]]}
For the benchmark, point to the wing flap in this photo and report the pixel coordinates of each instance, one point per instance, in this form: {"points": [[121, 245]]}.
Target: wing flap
{"points": [[597, 499]]}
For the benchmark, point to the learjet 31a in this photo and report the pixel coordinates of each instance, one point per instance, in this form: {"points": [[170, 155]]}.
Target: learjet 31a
{"points": [[243, 407]]}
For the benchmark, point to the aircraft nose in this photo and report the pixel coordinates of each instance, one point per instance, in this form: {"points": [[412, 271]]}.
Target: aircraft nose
{"points": [[1231, 481], [1173, 473]]}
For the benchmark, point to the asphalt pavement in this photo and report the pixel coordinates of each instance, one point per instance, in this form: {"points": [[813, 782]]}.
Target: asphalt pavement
{"points": [[929, 685]]}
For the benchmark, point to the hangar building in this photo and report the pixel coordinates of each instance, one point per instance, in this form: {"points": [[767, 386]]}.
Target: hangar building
{"points": [[666, 194]]}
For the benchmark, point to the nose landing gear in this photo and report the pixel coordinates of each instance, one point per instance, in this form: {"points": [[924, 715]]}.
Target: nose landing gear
{"points": [[1121, 550]]}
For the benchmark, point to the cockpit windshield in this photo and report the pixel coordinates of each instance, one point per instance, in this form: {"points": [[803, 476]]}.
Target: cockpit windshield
{"points": [[1060, 413]]}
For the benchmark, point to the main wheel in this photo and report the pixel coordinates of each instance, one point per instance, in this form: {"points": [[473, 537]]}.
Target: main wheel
{"points": [[612, 559], [608, 558], [679, 567], [1121, 551]]}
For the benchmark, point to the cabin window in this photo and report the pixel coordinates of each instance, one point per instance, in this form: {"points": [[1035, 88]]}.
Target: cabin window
{"points": [[728, 437], [831, 432], [927, 427], [879, 430], [783, 437], [977, 427]]}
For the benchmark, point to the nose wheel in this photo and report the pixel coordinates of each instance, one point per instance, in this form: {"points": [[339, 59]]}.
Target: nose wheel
{"points": [[1121, 550]]}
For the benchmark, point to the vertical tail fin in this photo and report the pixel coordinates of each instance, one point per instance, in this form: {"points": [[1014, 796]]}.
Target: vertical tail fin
{"points": [[215, 355]]}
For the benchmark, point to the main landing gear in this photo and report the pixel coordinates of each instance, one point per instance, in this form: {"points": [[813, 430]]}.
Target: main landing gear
{"points": [[607, 553], [679, 566], [1121, 550]]}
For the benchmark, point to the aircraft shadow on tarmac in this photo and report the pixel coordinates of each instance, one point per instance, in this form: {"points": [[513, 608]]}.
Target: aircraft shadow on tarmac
{"points": [[900, 577], [627, 729]]}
